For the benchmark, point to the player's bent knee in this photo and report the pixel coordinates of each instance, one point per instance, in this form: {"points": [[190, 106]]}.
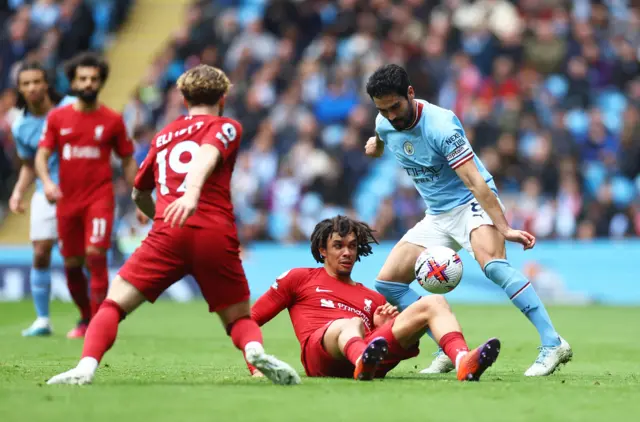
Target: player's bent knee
{"points": [[92, 250], [234, 312], [429, 306], [125, 295], [73, 262], [41, 256], [487, 244]]}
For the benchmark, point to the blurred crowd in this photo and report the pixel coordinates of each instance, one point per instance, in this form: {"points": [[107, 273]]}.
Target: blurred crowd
{"points": [[548, 92], [50, 31]]}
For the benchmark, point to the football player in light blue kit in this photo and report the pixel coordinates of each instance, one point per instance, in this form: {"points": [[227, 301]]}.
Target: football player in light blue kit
{"points": [[463, 209], [35, 99]]}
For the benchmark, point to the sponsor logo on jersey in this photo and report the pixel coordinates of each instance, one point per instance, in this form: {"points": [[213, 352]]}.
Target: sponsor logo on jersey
{"points": [[424, 174], [326, 303], [455, 140], [408, 148], [69, 152]]}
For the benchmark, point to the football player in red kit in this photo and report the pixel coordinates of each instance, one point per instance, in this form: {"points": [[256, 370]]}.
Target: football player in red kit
{"points": [[83, 135], [348, 330], [190, 165]]}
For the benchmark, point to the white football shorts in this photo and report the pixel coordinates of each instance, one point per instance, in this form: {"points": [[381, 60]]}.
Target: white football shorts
{"points": [[43, 225], [451, 229]]}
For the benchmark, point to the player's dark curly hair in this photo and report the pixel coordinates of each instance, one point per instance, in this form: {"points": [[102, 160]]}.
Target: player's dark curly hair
{"points": [[343, 226], [21, 102], [389, 79], [87, 59]]}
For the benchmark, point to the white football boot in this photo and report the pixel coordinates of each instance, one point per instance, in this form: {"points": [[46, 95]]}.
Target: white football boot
{"points": [[80, 375], [274, 369], [549, 359], [440, 365]]}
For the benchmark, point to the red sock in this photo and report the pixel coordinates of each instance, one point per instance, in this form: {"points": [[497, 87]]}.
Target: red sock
{"points": [[102, 330], [354, 348], [453, 343], [243, 331], [77, 284], [97, 265]]}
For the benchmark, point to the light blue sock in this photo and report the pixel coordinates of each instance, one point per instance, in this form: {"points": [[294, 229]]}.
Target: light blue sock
{"points": [[41, 291], [398, 294], [522, 295]]}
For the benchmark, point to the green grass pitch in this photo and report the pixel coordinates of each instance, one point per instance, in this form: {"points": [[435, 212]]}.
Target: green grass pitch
{"points": [[173, 362]]}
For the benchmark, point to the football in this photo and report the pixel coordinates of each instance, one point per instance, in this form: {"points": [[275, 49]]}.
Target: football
{"points": [[438, 269]]}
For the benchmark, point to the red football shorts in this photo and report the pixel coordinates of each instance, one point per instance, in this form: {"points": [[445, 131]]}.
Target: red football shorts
{"points": [[211, 256], [318, 362], [90, 226]]}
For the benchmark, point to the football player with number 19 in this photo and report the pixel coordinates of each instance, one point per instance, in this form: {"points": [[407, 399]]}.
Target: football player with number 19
{"points": [[190, 164], [463, 209]]}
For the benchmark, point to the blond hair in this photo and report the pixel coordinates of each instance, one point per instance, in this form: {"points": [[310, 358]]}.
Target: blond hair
{"points": [[203, 85]]}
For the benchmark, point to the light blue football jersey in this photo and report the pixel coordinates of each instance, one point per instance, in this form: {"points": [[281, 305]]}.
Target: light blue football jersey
{"points": [[27, 130], [429, 151]]}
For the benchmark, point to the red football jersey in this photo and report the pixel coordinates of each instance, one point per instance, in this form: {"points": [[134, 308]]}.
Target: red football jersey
{"points": [[314, 299], [84, 142], [167, 163]]}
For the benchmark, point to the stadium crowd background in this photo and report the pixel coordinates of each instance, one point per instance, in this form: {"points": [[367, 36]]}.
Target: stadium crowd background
{"points": [[548, 91]]}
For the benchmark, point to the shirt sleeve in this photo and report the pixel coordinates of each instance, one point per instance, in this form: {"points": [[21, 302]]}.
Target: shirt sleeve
{"points": [[379, 120], [145, 179], [23, 150], [122, 143], [452, 143], [48, 138], [279, 297], [225, 136]]}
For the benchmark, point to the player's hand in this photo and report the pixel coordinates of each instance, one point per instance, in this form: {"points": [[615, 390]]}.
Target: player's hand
{"points": [[371, 147], [179, 210], [257, 374], [522, 237], [15, 204], [141, 217], [384, 314], [52, 192]]}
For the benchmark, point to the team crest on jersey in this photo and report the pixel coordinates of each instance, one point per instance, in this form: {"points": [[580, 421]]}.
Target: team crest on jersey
{"points": [[98, 132], [367, 305], [408, 148]]}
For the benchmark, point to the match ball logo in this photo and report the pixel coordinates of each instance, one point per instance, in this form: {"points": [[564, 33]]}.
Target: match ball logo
{"points": [[408, 148]]}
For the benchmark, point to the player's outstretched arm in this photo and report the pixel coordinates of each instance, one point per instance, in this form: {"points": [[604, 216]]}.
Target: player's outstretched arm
{"points": [[51, 190], [374, 147], [207, 159], [474, 181], [26, 177]]}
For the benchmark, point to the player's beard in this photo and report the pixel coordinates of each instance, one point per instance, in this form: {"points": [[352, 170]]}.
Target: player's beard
{"points": [[87, 96], [404, 122]]}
